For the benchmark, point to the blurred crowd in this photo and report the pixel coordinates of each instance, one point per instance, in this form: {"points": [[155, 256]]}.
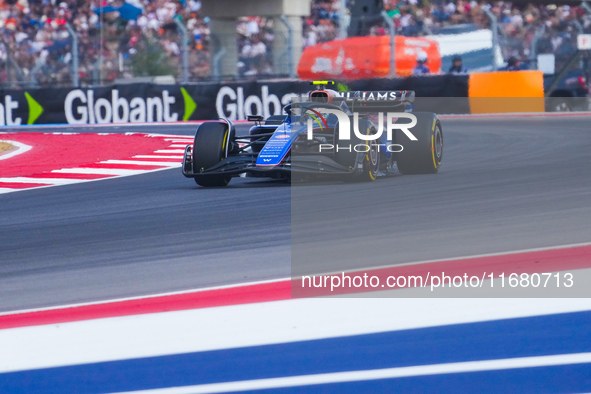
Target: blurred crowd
{"points": [[551, 28], [118, 39], [255, 44], [323, 23]]}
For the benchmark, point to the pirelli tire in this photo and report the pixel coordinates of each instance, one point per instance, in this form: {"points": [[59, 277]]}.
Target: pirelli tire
{"points": [[211, 144], [424, 155], [371, 159]]}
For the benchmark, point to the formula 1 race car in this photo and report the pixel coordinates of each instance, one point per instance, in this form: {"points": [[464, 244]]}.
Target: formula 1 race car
{"points": [[322, 133]]}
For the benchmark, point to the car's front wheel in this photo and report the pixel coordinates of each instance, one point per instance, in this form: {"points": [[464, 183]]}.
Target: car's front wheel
{"points": [[210, 147]]}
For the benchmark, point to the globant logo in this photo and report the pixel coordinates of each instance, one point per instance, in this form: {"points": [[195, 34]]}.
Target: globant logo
{"points": [[81, 107], [233, 105], [10, 107]]}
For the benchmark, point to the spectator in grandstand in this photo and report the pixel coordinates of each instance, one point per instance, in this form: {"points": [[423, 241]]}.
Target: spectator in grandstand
{"points": [[254, 57], [310, 37], [322, 22], [421, 67], [512, 64], [408, 24], [457, 66]]}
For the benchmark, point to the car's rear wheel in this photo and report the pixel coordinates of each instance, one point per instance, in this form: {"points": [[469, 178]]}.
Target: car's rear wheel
{"points": [[424, 155], [371, 160], [350, 151], [210, 147]]}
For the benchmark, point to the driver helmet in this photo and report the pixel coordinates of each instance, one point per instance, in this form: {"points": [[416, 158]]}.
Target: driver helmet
{"points": [[323, 96], [422, 57]]}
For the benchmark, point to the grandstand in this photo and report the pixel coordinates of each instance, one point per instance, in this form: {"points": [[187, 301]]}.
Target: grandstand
{"points": [[43, 42]]}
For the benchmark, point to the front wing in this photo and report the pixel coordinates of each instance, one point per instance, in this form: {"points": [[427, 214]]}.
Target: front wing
{"points": [[246, 163]]}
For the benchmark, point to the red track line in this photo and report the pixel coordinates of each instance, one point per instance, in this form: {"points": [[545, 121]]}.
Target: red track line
{"points": [[113, 166], [515, 115], [540, 261], [143, 159], [203, 299], [549, 260], [50, 175], [57, 151], [19, 185]]}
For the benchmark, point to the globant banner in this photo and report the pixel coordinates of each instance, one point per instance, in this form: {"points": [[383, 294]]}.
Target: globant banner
{"points": [[142, 102]]}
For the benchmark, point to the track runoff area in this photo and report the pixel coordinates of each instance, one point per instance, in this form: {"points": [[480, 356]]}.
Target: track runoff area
{"points": [[39, 159], [273, 335]]}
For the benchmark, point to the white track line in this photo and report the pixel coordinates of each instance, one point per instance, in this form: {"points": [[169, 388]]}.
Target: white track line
{"points": [[21, 148], [48, 181], [170, 151], [98, 171], [141, 163], [228, 327], [70, 171], [157, 157], [7, 190], [386, 373], [475, 256]]}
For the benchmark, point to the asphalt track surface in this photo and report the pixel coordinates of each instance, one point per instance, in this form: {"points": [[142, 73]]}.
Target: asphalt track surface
{"points": [[506, 184]]}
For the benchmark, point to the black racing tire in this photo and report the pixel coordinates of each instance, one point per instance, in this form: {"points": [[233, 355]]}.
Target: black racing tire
{"points": [[211, 146], [424, 155], [371, 160]]}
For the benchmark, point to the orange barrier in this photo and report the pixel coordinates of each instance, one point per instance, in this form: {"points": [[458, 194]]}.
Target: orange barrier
{"points": [[366, 57], [506, 91]]}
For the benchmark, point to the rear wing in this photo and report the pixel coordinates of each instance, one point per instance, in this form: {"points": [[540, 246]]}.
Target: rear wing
{"points": [[376, 100], [362, 100]]}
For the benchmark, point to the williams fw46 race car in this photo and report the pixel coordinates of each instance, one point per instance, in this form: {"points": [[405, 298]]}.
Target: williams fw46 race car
{"points": [[355, 135]]}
